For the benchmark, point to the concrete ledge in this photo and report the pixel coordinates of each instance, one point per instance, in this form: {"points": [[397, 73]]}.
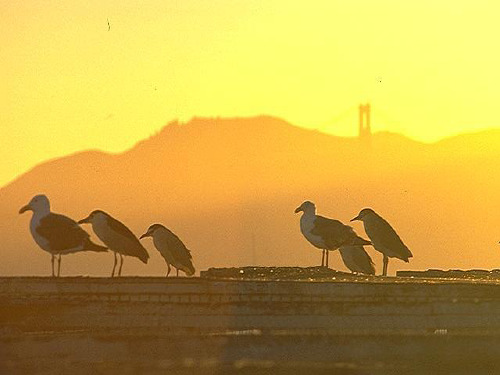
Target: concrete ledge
{"points": [[198, 325], [391, 304], [453, 274]]}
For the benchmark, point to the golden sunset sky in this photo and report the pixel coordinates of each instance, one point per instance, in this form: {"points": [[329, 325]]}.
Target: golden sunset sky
{"points": [[430, 68]]}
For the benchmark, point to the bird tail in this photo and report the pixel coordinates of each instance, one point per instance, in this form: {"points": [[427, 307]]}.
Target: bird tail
{"points": [[408, 256], [370, 270], [90, 246], [360, 241], [144, 256], [188, 269]]}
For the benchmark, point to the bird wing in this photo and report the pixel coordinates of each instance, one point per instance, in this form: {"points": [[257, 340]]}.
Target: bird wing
{"points": [[388, 238], [179, 251], [121, 229], [333, 232], [363, 260], [357, 259], [61, 232]]}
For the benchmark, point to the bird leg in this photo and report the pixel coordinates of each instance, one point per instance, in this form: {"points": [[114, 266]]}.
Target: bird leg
{"points": [[121, 265], [59, 266], [177, 272], [323, 258], [168, 270], [114, 265], [327, 254], [52, 261], [386, 263]]}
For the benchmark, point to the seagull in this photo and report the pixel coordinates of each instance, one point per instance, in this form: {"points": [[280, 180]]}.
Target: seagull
{"points": [[171, 249], [57, 234], [384, 238], [357, 259], [326, 234], [117, 237]]}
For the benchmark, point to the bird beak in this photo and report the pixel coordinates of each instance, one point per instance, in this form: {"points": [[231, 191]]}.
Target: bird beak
{"points": [[144, 235], [298, 209], [24, 209], [86, 220], [356, 218]]}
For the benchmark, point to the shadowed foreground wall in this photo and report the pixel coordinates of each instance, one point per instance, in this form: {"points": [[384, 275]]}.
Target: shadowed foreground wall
{"points": [[150, 324]]}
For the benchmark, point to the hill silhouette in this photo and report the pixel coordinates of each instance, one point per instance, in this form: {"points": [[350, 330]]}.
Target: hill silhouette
{"points": [[228, 187]]}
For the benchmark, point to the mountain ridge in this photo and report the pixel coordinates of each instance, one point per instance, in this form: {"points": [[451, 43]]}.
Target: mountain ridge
{"points": [[225, 184], [173, 126]]}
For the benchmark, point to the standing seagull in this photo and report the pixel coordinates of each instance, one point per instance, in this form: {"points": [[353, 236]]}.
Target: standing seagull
{"points": [[384, 238], [326, 234], [116, 236], [171, 249], [357, 259], [57, 234]]}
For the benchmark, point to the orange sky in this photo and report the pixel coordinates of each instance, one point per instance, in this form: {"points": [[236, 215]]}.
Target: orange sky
{"points": [[429, 68]]}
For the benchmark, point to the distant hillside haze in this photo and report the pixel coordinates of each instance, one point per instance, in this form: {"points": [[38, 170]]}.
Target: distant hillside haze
{"points": [[228, 188]]}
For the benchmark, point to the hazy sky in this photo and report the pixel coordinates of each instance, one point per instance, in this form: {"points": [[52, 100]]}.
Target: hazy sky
{"points": [[430, 68]]}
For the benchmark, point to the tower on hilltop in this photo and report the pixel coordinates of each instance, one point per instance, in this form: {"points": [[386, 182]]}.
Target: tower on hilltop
{"points": [[365, 131]]}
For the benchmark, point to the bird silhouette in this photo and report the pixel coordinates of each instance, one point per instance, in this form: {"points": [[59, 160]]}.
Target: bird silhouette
{"points": [[357, 259], [55, 233], [324, 233], [383, 237], [171, 249], [117, 237]]}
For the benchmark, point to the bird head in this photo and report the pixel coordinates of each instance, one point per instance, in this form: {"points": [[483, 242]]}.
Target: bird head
{"points": [[94, 215], [39, 203], [307, 206], [363, 214], [151, 230]]}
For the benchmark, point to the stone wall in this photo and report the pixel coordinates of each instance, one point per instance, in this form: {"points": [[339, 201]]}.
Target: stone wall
{"points": [[173, 322]]}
